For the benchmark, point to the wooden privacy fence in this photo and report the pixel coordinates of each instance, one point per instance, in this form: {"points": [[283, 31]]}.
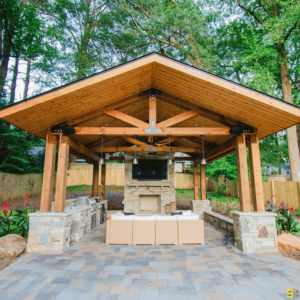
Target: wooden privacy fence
{"points": [[286, 191], [15, 186]]}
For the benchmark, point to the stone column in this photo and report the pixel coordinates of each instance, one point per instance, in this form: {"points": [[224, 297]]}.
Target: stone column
{"points": [[255, 232], [200, 206], [49, 232]]}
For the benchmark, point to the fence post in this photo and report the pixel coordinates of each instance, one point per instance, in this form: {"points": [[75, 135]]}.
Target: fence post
{"points": [[273, 190]]}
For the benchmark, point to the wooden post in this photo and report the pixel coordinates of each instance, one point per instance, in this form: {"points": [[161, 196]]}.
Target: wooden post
{"points": [[152, 108], [256, 176], [102, 186], [202, 182], [48, 176], [96, 180], [196, 185], [61, 177], [243, 181]]}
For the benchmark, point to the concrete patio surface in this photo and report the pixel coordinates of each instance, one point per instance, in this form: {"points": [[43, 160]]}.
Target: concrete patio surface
{"points": [[92, 270]]}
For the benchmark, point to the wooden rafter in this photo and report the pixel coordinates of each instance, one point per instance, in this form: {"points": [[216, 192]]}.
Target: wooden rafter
{"points": [[80, 148], [179, 118], [96, 113], [143, 149], [166, 141], [134, 141], [176, 131], [126, 118], [203, 112]]}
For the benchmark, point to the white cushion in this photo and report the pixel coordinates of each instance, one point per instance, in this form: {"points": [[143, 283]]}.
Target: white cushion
{"points": [[119, 213], [122, 217], [144, 218], [166, 218], [192, 217], [187, 213]]}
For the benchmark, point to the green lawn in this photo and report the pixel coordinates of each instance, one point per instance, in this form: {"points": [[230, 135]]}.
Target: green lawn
{"points": [[215, 196], [180, 194]]}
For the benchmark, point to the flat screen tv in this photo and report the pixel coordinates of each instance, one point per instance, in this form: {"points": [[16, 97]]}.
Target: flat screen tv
{"points": [[148, 169]]}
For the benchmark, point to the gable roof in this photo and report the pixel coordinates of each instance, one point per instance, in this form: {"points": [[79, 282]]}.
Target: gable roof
{"points": [[186, 84]]}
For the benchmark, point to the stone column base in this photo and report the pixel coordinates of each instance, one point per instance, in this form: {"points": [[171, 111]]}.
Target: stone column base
{"points": [[255, 232], [200, 206], [49, 232]]}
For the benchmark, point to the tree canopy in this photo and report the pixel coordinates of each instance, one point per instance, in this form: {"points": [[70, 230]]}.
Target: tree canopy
{"points": [[52, 42]]}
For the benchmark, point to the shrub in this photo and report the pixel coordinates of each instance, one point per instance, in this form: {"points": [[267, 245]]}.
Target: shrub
{"points": [[285, 221]]}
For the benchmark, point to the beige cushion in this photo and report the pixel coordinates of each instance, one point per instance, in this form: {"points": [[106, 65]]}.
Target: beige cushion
{"points": [[190, 231], [143, 232], [120, 232], [166, 232]]}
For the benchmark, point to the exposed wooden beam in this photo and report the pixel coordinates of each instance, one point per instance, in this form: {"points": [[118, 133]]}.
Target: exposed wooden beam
{"points": [[113, 158], [176, 131], [78, 147], [126, 118], [196, 182], [202, 182], [61, 175], [95, 180], [166, 141], [179, 118], [143, 149], [203, 112], [134, 141], [183, 158], [152, 109], [243, 179], [103, 180], [96, 113], [105, 140], [48, 177], [256, 176]]}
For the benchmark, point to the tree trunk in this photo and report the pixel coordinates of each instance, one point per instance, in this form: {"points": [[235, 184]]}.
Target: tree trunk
{"points": [[4, 60], [291, 132], [27, 79], [14, 82], [278, 154]]}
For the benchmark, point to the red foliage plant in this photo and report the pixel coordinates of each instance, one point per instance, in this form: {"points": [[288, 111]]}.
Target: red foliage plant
{"points": [[5, 205]]}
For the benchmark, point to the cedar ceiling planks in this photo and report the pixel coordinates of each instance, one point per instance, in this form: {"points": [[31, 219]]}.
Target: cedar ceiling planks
{"points": [[262, 112]]}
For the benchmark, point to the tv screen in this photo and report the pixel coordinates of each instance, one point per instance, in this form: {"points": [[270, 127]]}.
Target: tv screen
{"points": [[150, 170]]}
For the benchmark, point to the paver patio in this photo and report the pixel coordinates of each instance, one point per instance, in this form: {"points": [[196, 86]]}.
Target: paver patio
{"points": [[92, 270]]}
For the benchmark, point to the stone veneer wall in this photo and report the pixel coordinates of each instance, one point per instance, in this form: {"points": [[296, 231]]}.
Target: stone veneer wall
{"points": [[255, 232], [153, 191], [219, 221], [49, 232], [200, 206]]}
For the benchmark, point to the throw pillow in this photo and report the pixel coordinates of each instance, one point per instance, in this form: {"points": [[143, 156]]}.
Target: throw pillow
{"points": [[174, 214]]}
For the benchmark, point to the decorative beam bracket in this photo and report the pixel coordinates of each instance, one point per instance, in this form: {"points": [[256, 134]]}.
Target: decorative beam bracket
{"points": [[242, 128], [152, 92], [150, 148], [152, 128], [58, 128]]}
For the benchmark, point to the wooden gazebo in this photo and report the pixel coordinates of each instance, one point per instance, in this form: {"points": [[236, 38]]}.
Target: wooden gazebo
{"points": [[152, 97]]}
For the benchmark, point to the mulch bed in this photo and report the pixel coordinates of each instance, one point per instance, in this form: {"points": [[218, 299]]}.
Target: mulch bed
{"points": [[290, 254], [6, 261]]}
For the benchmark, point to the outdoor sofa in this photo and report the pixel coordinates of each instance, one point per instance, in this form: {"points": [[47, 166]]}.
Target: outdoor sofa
{"points": [[155, 230]]}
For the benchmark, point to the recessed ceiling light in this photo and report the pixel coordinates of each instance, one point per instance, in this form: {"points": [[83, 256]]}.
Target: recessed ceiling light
{"points": [[184, 138], [106, 124], [196, 124]]}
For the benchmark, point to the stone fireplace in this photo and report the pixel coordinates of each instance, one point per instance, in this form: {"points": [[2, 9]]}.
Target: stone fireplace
{"points": [[148, 196]]}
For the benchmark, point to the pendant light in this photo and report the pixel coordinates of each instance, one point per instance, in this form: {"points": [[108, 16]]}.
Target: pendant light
{"points": [[170, 161], [203, 160], [102, 160], [135, 160]]}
